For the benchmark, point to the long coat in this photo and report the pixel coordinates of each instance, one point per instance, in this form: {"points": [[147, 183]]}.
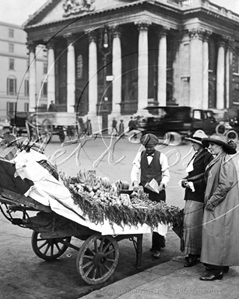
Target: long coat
{"points": [[220, 234], [199, 165]]}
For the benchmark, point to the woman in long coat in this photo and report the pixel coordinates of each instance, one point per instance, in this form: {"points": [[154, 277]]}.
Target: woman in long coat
{"points": [[194, 185], [220, 234]]}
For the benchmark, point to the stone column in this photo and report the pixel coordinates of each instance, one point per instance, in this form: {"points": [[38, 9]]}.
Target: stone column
{"points": [[162, 67], [205, 69], [196, 68], [117, 72], [32, 77], [50, 73], [221, 75], [142, 66], [70, 73], [93, 79]]}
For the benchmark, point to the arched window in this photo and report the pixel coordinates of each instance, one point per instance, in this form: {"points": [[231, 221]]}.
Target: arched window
{"points": [[79, 69], [11, 85]]}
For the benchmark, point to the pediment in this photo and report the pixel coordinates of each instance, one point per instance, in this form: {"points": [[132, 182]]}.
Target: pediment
{"points": [[59, 10]]}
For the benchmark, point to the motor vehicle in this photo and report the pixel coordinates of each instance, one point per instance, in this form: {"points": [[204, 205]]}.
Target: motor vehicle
{"points": [[18, 123], [177, 122]]}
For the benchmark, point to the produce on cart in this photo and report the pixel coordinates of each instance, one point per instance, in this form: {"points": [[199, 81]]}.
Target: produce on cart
{"points": [[86, 206]]}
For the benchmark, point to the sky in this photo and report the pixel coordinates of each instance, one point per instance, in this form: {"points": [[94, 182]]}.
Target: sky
{"points": [[18, 11]]}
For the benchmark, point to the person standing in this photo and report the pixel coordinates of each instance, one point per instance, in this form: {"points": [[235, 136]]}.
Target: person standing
{"points": [[194, 185], [121, 127], [88, 127], [132, 124], [52, 107], [220, 231], [114, 126], [147, 165]]}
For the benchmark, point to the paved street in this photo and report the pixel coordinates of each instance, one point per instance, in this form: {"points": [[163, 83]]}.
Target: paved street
{"points": [[24, 275]]}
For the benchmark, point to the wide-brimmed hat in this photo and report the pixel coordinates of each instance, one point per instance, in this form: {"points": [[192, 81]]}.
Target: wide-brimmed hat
{"points": [[149, 139], [228, 146], [197, 137]]}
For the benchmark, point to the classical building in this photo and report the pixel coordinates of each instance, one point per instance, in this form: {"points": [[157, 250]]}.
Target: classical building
{"points": [[113, 58], [14, 75]]}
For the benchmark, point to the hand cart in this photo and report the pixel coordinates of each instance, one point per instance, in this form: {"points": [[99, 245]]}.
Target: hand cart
{"points": [[98, 256]]}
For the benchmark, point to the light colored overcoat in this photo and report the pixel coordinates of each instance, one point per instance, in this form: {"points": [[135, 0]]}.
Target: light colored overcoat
{"points": [[220, 235]]}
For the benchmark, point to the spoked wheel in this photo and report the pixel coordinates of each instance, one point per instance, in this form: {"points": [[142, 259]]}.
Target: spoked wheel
{"points": [[97, 258], [6, 211], [49, 249]]}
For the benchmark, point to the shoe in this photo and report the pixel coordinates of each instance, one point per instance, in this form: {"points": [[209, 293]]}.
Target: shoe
{"points": [[191, 261], [156, 254], [211, 277], [225, 269]]}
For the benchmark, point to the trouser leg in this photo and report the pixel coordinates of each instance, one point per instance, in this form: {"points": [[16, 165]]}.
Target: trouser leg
{"points": [[158, 241]]}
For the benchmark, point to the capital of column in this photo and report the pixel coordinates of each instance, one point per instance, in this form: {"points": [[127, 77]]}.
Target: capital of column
{"points": [[70, 38], [49, 44], [221, 41], [116, 31], [91, 35], [229, 41], [163, 31], [196, 33], [31, 46], [206, 35], [143, 25]]}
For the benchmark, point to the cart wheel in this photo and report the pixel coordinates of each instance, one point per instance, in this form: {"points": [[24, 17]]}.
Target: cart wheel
{"points": [[97, 258], [49, 249]]}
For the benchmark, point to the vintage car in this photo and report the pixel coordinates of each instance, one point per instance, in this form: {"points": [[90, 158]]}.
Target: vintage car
{"points": [[177, 122]]}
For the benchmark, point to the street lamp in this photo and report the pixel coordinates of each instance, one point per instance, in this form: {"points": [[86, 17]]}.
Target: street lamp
{"points": [[105, 49]]}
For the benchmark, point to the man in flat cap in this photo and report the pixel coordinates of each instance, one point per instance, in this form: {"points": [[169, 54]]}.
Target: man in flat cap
{"points": [[149, 166]]}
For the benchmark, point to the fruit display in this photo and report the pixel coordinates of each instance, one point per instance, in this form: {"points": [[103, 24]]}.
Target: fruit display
{"points": [[101, 200]]}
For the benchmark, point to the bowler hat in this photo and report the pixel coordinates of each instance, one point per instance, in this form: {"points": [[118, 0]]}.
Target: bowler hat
{"points": [[197, 137], [228, 146]]}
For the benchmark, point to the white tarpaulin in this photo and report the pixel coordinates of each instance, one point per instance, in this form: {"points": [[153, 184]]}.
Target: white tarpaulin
{"points": [[50, 192]]}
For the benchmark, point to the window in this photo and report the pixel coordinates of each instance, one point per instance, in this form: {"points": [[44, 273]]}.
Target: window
{"points": [[11, 86], [11, 33], [44, 89], [11, 63], [26, 87], [11, 47], [11, 108], [44, 68]]}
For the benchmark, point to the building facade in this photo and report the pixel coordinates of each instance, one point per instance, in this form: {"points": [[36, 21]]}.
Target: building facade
{"points": [[14, 75], [112, 58]]}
